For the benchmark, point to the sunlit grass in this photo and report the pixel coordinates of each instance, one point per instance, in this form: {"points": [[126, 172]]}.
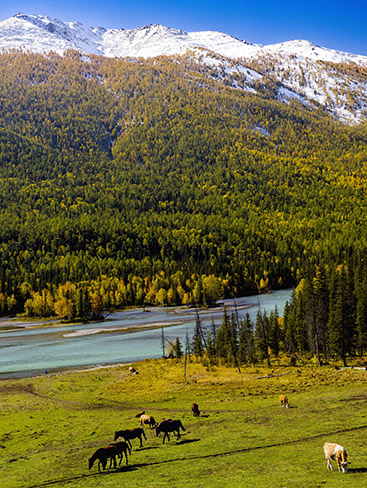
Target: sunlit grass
{"points": [[51, 425]]}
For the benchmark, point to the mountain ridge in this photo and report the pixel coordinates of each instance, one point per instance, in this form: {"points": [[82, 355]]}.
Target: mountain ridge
{"points": [[98, 40], [303, 70]]}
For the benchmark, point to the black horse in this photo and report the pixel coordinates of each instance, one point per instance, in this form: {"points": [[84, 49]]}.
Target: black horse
{"points": [[167, 426], [122, 448], [138, 432], [103, 454]]}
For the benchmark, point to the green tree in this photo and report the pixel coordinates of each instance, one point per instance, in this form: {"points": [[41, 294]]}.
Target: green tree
{"points": [[341, 317], [262, 337]]}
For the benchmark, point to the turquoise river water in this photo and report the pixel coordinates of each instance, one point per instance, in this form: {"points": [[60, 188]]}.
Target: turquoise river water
{"points": [[28, 349]]}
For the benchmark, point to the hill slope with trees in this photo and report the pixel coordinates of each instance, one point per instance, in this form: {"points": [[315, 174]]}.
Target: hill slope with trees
{"points": [[126, 182]]}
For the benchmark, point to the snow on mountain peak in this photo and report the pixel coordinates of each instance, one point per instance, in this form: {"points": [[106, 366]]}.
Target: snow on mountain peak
{"points": [[302, 67], [39, 33], [303, 49]]}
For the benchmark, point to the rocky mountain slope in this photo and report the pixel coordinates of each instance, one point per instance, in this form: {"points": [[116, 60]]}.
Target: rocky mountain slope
{"points": [[300, 69]]}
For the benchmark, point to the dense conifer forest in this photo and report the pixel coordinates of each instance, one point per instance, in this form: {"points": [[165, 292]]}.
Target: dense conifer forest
{"points": [[326, 319], [132, 182]]}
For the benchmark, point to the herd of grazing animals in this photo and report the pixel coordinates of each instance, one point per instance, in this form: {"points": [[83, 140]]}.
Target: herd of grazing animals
{"points": [[118, 449], [332, 451]]}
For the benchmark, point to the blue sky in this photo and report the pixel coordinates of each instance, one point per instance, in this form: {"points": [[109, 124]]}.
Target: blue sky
{"points": [[331, 23]]}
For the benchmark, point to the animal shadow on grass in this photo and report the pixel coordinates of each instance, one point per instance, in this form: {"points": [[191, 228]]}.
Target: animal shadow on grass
{"points": [[204, 416], [123, 469], [146, 448], [118, 469], [186, 441], [357, 470]]}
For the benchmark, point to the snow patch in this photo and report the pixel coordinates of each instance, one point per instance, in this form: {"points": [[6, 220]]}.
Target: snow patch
{"points": [[301, 68]]}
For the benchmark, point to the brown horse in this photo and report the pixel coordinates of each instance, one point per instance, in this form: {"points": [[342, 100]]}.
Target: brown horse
{"points": [[138, 432], [148, 419], [103, 454], [167, 426], [121, 449], [195, 409]]}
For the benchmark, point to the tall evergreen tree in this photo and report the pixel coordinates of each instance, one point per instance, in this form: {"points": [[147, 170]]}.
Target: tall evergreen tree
{"points": [[223, 339], [274, 332], [300, 326], [314, 333], [341, 316], [246, 349], [197, 340], [262, 336], [321, 297], [178, 348], [290, 343], [361, 316]]}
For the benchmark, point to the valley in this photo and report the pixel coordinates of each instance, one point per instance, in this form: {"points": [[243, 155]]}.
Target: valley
{"points": [[54, 424]]}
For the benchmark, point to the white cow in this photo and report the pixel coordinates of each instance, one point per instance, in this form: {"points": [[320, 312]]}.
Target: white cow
{"points": [[337, 453]]}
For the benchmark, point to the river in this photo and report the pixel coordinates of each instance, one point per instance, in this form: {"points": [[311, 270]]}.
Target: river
{"points": [[28, 349]]}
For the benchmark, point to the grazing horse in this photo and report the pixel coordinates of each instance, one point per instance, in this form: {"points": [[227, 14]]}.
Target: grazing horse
{"points": [[122, 448], [148, 419], [103, 454], [284, 401], [138, 432], [195, 409], [167, 426]]}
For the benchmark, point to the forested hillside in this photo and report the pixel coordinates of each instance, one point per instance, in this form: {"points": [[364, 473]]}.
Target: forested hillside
{"points": [[156, 181]]}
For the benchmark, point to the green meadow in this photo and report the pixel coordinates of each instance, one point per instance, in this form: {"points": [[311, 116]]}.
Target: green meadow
{"points": [[51, 425]]}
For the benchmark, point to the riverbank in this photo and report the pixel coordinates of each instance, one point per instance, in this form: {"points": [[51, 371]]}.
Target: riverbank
{"points": [[18, 323], [126, 336]]}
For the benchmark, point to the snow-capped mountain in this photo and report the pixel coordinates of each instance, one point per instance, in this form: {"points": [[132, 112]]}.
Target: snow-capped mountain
{"points": [[37, 33], [306, 71]]}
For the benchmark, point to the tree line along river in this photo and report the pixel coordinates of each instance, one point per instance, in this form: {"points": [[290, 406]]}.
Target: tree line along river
{"points": [[33, 348]]}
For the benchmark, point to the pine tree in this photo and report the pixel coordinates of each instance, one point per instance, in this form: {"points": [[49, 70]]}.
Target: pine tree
{"points": [[211, 352], [262, 336], [233, 338], [246, 349], [341, 316], [314, 334], [290, 343], [321, 297], [222, 338], [361, 316], [197, 340], [299, 318], [178, 349], [274, 332]]}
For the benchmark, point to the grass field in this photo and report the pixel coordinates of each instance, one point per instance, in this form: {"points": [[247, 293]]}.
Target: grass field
{"points": [[51, 425]]}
